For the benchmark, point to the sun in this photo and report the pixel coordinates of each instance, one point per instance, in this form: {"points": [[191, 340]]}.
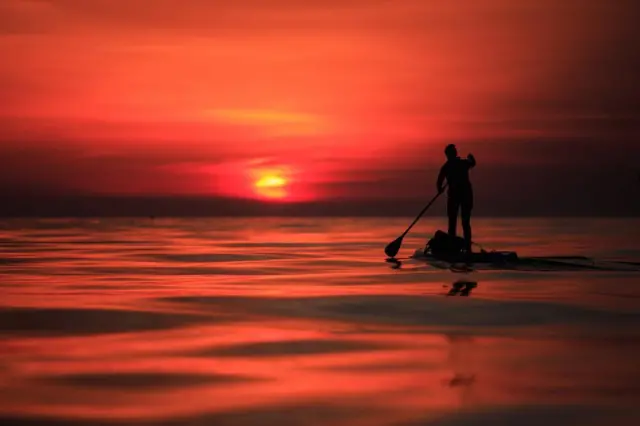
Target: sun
{"points": [[271, 181], [273, 186]]}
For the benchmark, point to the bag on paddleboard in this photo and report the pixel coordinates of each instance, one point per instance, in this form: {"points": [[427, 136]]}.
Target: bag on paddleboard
{"points": [[444, 245]]}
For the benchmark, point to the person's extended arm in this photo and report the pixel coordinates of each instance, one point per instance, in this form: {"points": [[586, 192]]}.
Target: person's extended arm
{"points": [[472, 161], [441, 177]]}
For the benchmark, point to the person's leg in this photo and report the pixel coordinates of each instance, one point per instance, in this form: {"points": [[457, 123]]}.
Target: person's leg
{"points": [[453, 204], [465, 215]]}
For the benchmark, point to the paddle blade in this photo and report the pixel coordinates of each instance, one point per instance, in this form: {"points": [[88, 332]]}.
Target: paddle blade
{"points": [[393, 247]]}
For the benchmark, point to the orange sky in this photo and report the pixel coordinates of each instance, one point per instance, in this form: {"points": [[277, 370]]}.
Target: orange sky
{"points": [[204, 97]]}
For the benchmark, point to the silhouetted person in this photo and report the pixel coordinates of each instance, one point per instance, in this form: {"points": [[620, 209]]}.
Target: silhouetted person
{"points": [[460, 193]]}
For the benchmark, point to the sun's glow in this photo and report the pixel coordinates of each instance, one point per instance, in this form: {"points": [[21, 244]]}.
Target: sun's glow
{"points": [[271, 181], [273, 186]]}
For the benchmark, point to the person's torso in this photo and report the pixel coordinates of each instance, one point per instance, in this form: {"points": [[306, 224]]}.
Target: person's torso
{"points": [[457, 173]]}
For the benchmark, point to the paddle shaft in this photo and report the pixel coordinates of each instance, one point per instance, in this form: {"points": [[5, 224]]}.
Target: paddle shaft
{"points": [[422, 212]]}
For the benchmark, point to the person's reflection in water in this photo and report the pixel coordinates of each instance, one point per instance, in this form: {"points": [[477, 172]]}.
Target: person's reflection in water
{"points": [[461, 361], [462, 288]]}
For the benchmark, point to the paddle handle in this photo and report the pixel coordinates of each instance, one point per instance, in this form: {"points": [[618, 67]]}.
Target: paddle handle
{"points": [[423, 212]]}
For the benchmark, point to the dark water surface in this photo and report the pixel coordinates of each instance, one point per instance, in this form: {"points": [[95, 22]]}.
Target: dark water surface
{"points": [[301, 322]]}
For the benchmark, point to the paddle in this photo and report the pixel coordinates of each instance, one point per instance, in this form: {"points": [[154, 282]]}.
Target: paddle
{"points": [[394, 247]]}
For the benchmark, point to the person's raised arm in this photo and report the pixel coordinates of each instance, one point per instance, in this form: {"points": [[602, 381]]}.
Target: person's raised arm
{"points": [[472, 161]]}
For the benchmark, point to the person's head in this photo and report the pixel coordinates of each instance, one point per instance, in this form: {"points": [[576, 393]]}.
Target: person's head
{"points": [[451, 152]]}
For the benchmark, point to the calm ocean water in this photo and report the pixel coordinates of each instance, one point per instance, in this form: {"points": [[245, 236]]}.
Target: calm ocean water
{"points": [[301, 322]]}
